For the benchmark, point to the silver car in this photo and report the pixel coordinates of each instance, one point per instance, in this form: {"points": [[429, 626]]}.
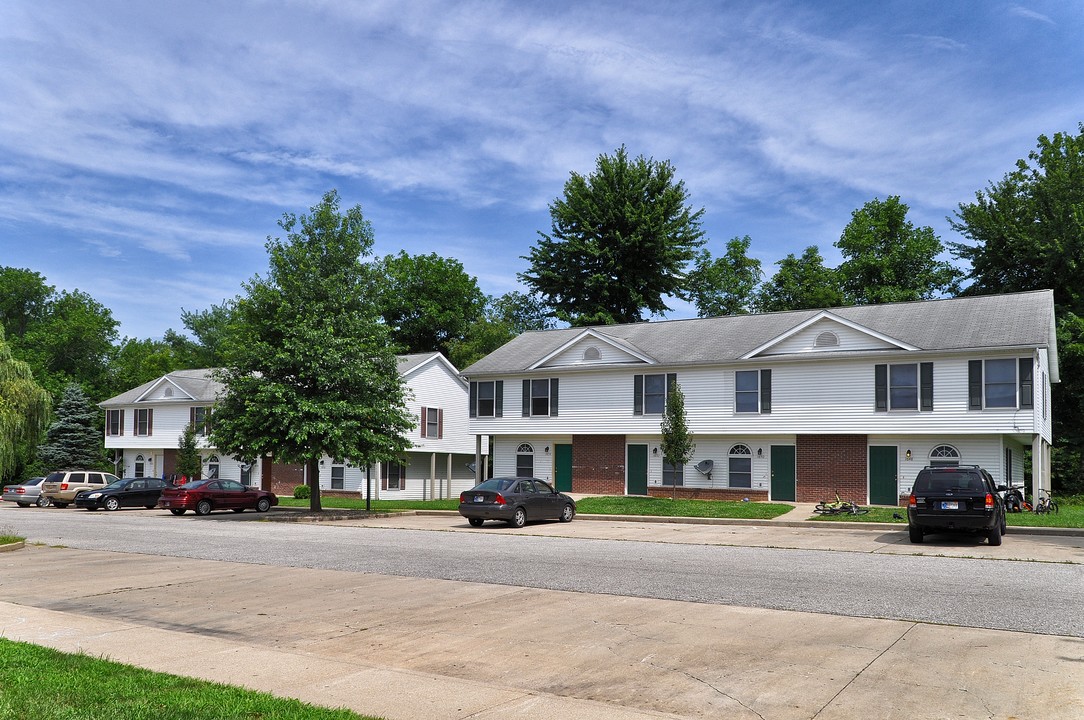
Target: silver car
{"points": [[27, 493]]}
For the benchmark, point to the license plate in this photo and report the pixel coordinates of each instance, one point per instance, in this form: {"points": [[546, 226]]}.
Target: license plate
{"points": [[479, 498], [950, 505]]}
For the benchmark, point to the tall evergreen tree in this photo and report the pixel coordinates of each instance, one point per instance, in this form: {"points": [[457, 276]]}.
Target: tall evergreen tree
{"points": [[74, 440]]}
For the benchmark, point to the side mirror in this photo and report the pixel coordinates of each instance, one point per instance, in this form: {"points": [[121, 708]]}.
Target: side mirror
{"points": [[1002, 488]]}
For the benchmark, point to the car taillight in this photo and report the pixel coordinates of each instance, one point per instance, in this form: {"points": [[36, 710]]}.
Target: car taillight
{"points": [[989, 501], [462, 497], [20, 491], [911, 502], [499, 499], [63, 486]]}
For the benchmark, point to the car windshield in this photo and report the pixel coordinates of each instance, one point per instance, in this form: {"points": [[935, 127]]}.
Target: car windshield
{"points": [[117, 485], [34, 481], [495, 484], [194, 485]]}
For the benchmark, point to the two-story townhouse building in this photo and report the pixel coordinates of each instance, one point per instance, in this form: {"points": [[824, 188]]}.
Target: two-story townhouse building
{"points": [[783, 406], [144, 425]]}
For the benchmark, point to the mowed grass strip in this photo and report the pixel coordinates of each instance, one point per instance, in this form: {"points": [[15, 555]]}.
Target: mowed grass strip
{"points": [[39, 683]]}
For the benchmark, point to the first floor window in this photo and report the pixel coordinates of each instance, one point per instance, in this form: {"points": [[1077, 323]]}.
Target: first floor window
{"points": [[393, 474], [212, 467], [144, 421], [672, 474], [338, 474], [140, 469], [114, 422], [944, 456], [740, 470], [525, 460]]}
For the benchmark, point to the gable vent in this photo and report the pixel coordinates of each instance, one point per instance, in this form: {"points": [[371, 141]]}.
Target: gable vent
{"points": [[826, 339], [591, 354]]}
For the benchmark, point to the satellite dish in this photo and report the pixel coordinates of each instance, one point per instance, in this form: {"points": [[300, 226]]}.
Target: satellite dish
{"points": [[704, 467]]}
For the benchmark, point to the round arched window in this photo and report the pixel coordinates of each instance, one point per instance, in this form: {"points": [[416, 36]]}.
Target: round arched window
{"points": [[826, 339], [740, 450], [525, 448], [944, 455], [167, 392]]}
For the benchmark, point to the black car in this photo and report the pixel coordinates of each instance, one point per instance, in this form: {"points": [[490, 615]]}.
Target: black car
{"points": [[126, 492], [962, 497], [515, 501]]}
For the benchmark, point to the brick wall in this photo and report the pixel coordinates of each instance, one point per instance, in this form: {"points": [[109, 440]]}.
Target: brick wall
{"points": [[830, 464], [598, 464], [282, 478], [693, 493]]}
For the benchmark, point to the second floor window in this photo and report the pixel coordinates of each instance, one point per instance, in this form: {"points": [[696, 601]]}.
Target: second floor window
{"points": [[114, 422], [649, 393], [487, 398], [540, 398], [200, 417], [144, 421], [903, 386], [1001, 383], [432, 423], [753, 391]]}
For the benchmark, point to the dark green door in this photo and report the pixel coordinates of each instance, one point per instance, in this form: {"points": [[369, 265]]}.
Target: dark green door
{"points": [[883, 475], [636, 467], [562, 457], [783, 473]]}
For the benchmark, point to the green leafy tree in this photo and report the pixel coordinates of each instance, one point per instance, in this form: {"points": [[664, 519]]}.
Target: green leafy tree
{"points": [[24, 411], [135, 362], [427, 301], [1026, 232], [23, 298], [677, 442], [522, 312], [725, 285], [619, 244], [800, 283], [211, 328], [310, 370], [74, 439], [189, 462], [887, 259]]}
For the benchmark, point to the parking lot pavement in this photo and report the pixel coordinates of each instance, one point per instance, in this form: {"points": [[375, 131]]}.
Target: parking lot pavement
{"points": [[408, 647]]}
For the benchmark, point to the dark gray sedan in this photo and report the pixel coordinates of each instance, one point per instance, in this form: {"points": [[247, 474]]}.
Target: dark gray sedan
{"points": [[515, 501]]}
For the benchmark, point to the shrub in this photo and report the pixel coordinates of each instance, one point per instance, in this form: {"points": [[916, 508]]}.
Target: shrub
{"points": [[302, 492]]}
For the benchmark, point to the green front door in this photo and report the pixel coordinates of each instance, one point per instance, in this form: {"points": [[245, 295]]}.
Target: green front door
{"points": [[783, 473], [636, 467], [562, 458], [883, 475]]}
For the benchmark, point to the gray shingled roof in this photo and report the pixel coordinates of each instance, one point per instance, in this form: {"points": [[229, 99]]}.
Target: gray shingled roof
{"points": [[990, 321], [197, 383]]}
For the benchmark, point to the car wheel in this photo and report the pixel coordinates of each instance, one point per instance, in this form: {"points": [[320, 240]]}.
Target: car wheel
{"points": [[43, 501], [567, 513], [203, 507], [60, 505], [994, 535], [519, 518], [1004, 526], [263, 505], [177, 511], [112, 504], [475, 522], [915, 534]]}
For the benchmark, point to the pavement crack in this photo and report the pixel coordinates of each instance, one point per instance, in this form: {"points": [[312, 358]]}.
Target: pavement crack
{"points": [[702, 681], [865, 667]]}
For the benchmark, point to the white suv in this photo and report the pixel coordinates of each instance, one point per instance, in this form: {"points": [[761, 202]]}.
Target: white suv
{"points": [[62, 487]]}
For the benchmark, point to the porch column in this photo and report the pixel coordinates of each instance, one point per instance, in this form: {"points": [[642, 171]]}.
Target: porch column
{"points": [[478, 475], [449, 476]]}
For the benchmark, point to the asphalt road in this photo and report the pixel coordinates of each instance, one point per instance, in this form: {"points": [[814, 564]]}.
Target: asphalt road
{"points": [[1034, 597]]}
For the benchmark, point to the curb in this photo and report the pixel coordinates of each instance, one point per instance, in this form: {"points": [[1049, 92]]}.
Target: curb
{"points": [[11, 547]]}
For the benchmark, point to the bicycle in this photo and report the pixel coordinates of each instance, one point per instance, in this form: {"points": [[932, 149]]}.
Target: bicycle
{"points": [[1046, 504], [839, 507]]}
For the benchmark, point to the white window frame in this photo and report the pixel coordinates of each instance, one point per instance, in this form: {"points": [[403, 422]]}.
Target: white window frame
{"points": [[740, 451]]}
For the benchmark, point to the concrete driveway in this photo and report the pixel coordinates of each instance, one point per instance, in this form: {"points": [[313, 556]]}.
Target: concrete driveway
{"points": [[411, 648]]}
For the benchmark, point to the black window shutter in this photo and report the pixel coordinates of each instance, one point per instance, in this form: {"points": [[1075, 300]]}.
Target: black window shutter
{"points": [[1027, 393], [473, 401], [553, 397], [637, 394], [925, 371], [498, 398], [766, 391], [880, 388], [121, 421], [974, 384], [425, 420], [526, 398], [440, 423]]}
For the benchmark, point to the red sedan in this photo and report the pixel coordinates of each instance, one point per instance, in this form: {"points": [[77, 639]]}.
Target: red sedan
{"points": [[203, 496]]}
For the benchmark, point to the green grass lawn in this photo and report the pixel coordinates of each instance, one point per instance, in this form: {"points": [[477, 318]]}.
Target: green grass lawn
{"points": [[1071, 513], [40, 683], [8, 539]]}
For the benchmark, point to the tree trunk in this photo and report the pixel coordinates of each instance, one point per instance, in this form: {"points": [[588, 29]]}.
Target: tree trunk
{"points": [[313, 471]]}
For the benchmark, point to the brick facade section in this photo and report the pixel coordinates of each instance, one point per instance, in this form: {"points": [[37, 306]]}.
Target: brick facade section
{"points": [[693, 493], [598, 464], [830, 464], [281, 478]]}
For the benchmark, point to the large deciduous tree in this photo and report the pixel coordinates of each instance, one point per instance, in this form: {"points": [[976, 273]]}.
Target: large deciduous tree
{"points": [[24, 411], [619, 244], [800, 283], [505, 317], [724, 285], [887, 259], [74, 439], [1026, 232], [427, 301], [310, 370]]}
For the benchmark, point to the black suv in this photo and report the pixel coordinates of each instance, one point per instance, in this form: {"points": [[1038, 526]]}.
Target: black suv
{"points": [[961, 497]]}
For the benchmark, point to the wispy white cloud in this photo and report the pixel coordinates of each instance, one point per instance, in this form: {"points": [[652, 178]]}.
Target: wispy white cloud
{"points": [[1021, 11]]}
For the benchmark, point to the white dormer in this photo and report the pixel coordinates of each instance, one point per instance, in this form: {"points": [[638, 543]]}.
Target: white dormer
{"points": [[592, 347], [826, 332], [165, 390]]}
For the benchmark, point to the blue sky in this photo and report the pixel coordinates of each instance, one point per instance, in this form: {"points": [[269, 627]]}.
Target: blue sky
{"points": [[148, 149]]}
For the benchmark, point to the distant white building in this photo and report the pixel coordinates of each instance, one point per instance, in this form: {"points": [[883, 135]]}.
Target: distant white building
{"points": [[143, 427]]}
